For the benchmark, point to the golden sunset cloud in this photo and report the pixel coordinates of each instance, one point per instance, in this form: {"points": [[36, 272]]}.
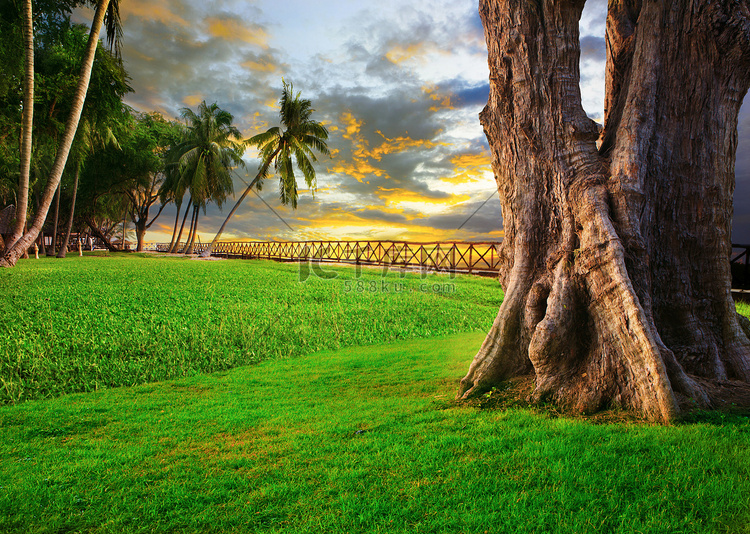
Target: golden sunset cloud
{"points": [[193, 100], [400, 144], [364, 158], [260, 66], [399, 195], [401, 53], [443, 101], [351, 125], [159, 10], [469, 168], [234, 30]]}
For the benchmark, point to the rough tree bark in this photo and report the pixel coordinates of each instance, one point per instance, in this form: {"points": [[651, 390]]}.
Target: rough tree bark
{"points": [[615, 260]]}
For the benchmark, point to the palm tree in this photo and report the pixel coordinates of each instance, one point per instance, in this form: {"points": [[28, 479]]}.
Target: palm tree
{"points": [[27, 122], [172, 189], [88, 137], [104, 8], [211, 148], [299, 137]]}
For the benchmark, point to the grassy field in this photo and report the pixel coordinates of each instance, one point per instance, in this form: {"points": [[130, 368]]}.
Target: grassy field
{"points": [[82, 324], [365, 438]]}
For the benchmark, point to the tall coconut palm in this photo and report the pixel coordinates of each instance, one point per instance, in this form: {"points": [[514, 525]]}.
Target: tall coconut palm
{"points": [[27, 122], [211, 148], [172, 189], [104, 8], [296, 139]]}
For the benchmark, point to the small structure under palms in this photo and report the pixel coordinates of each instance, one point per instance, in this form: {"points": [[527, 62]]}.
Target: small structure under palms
{"points": [[298, 140]]}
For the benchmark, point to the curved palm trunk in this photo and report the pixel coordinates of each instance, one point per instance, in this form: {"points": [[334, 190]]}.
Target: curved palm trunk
{"points": [[210, 248], [53, 248], [26, 127], [69, 227], [97, 232], [176, 245], [176, 223], [193, 231], [40, 238], [17, 250], [614, 262]]}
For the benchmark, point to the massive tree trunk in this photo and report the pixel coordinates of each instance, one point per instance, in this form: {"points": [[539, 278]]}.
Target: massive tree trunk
{"points": [[615, 261], [13, 253]]}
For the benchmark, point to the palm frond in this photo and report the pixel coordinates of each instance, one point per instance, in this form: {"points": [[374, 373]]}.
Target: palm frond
{"points": [[261, 139]]}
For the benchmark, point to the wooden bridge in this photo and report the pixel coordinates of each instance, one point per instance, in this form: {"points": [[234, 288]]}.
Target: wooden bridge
{"points": [[461, 257]]}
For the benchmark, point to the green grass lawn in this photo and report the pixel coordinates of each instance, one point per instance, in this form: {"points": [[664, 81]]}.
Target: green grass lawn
{"points": [[363, 439], [350, 435], [82, 324]]}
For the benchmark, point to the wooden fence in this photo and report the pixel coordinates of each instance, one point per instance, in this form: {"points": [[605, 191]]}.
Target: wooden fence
{"points": [[479, 258], [739, 262], [475, 258]]}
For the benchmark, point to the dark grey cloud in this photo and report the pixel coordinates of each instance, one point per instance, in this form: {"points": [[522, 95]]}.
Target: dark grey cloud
{"points": [[406, 112], [175, 64], [593, 18], [377, 215], [463, 95], [593, 48], [374, 78]]}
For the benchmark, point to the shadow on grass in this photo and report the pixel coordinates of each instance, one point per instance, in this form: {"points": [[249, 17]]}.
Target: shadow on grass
{"points": [[514, 394], [723, 417]]}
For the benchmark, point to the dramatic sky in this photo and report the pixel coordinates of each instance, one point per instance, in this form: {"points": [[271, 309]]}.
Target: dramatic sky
{"points": [[399, 84]]}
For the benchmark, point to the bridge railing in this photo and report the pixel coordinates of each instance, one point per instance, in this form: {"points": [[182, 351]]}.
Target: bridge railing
{"points": [[454, 256], [470, 257], [739, 262]]}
